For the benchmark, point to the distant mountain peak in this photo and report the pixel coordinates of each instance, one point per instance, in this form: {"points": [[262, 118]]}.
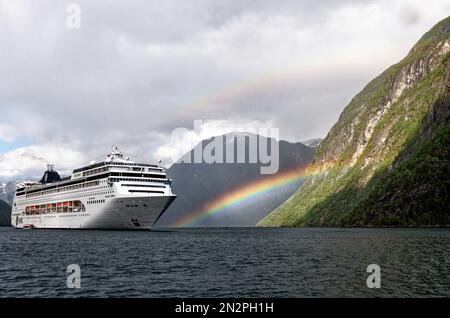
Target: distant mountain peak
{"points": [[240, 134]]}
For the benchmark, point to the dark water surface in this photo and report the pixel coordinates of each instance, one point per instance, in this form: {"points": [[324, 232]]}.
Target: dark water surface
{"points": [[225, 262]]}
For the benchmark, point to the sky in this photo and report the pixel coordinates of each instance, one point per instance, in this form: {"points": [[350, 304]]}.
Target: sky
{"points": [[135, 71]]}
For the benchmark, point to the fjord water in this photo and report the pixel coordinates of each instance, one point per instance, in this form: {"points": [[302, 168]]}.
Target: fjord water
{"points": [[250, 262]]}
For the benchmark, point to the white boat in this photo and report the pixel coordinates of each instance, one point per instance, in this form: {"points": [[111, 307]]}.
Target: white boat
{"points": [[114, 194]]}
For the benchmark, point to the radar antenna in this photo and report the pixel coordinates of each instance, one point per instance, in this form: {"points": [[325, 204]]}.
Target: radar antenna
{"points": [[116, 155], [116, 150]]}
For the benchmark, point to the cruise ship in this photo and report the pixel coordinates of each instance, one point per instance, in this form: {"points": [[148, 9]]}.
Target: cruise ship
{"points": [[114, 194]]}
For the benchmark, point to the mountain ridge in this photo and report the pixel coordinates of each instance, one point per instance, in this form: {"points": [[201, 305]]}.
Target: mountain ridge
{"points": [[393, 132]]}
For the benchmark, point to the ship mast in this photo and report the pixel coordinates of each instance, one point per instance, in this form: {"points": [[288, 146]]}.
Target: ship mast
{"points": [[117, 155]]}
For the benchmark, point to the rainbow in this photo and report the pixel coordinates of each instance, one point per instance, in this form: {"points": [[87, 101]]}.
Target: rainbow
{"points": [[241, 195], [223, 96], [249, 86], [226, 94]]}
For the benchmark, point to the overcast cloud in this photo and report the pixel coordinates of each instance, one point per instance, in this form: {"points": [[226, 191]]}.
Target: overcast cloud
{"points": [[136, 70]]}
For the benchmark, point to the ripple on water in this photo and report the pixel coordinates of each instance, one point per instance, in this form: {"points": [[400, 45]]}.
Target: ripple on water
{"points": [[225, 262]]}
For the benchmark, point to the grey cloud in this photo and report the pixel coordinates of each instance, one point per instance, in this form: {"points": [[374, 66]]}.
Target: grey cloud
{"points": [[409, 14], [130, 74]]}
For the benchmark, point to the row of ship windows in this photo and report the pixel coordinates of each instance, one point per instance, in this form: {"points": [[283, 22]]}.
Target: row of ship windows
{"points": [[91, 184], [95, 171], [76, 186], [71, 215], [128, 164], [140, 180], [91, 194], [144, 186], [96, 201], [135, 205], [97, 193], [59, 207], [85, 185]]}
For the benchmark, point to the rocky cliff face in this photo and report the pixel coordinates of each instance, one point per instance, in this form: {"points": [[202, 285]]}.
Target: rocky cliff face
{"points": [[385, 160]]}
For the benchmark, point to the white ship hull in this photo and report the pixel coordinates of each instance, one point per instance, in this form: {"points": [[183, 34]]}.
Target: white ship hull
{"points": [[143, 214]]}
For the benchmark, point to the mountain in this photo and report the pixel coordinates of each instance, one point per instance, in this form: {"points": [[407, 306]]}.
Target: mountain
{"points": [[5, 214], [386, 161], [199, 184], [7, 191]]}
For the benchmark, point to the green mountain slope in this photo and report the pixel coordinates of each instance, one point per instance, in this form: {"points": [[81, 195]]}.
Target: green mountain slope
{"points": [[386, 161]]}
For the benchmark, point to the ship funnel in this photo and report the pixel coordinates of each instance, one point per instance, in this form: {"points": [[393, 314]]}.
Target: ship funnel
{"points": [[50, 176]]}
